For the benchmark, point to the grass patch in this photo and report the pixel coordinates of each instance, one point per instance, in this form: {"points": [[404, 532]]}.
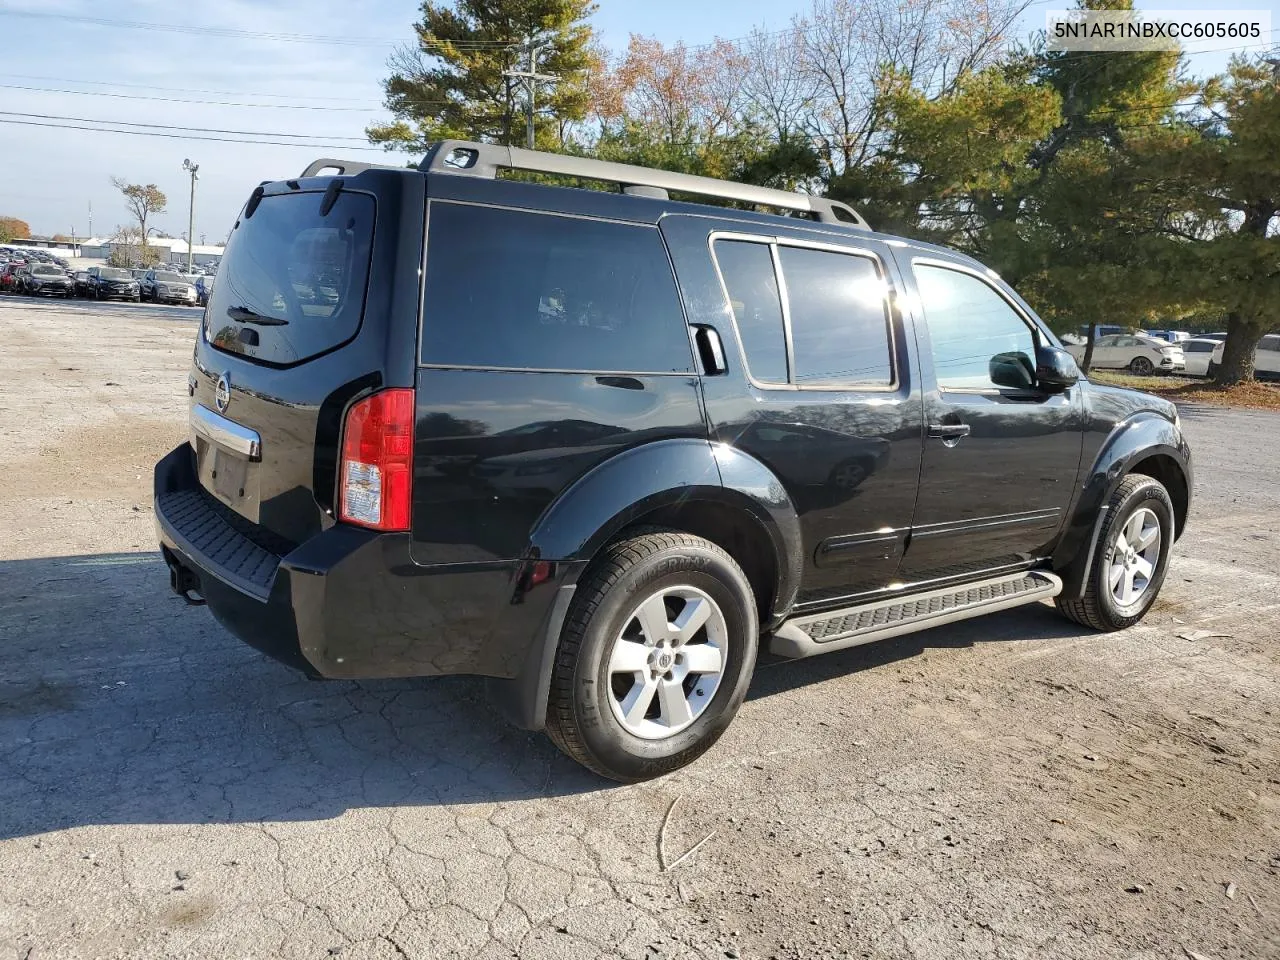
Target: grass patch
{"points": [[1255, 395]]}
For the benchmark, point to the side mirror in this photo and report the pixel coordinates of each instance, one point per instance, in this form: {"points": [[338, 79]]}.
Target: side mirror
{"points": [[1056, 369], [1012, 369]]}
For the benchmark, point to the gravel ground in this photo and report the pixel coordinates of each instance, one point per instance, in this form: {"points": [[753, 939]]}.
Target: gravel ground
{"points": [[1009, 787]]}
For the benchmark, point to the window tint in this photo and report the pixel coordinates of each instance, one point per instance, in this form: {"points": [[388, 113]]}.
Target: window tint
{"points": [[839, 317], [294, 278], [977, 338], [507, 288], [1193, 346], [752, 287]]}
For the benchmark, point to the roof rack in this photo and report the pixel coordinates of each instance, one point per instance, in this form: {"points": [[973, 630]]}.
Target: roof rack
{"points": [[486, 159], [345, 168]]}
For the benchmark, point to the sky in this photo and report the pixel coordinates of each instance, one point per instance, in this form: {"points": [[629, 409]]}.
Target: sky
{"points": [[304, 74]]}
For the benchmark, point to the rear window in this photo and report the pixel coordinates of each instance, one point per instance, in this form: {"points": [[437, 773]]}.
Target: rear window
{"points": [[513, 289], [292, 283]]}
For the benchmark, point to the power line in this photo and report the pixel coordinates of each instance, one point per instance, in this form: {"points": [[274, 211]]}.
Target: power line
{"points": [[150, 86], [210, 103], [171, 126], [182, 136], [229, 33]]}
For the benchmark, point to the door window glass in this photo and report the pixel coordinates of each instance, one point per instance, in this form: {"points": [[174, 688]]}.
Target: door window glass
{"points": [[752, 288], [979, 341]]}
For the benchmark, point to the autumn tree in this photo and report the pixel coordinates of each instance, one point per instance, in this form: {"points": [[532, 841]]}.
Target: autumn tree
{"points": [[143, 202], [11, 228], [454, 80]]}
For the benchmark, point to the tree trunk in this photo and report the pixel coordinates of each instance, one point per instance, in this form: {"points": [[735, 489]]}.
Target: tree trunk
{"points": [[1088, 349], [1237, 352]]}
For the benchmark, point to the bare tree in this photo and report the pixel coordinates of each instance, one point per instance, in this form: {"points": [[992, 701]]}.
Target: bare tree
{"points": [[141, 201], [848, 48]]}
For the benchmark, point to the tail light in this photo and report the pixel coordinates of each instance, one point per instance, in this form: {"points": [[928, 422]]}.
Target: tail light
{"points": [[375, 474]]}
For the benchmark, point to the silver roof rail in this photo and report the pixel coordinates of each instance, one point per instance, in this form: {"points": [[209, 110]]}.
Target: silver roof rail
{"points": [[461, 157]]}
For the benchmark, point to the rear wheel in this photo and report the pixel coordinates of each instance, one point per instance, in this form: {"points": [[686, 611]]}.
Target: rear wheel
{"points": [[1131, 557], [655, 656], [1142, 366]]}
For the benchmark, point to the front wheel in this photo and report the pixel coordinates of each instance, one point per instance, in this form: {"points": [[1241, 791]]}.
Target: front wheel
{"points": [[1131, 559], [655, 656], [1142, 366]]}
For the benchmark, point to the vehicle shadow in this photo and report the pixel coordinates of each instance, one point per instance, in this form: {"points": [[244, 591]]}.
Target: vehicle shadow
{"points": [[119, 704]]}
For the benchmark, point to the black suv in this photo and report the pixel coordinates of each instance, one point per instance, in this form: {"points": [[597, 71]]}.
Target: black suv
{"points": [[605, 447], [112, 283]]}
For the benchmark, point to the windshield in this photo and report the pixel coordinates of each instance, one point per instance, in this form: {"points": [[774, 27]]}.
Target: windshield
{"points": [[115, 273], [294, 277], [166, 277], [46, 271]]}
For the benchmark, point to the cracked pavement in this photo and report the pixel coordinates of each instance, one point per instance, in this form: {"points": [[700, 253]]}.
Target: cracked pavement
{"points": [[1013, 786]]}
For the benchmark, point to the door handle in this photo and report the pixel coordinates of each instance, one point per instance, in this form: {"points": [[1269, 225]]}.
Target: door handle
{"points": [[948, 431], [710, 349]]}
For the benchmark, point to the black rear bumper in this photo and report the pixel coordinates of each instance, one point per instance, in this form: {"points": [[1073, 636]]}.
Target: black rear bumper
{"points": [[348, 603]]}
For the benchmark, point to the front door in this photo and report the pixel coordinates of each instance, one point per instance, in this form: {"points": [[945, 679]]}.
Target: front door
{"points": [[1001, 457], [818, 388]]}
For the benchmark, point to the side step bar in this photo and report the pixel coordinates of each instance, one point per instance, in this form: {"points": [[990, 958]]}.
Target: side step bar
{"points": [[817, 633]]}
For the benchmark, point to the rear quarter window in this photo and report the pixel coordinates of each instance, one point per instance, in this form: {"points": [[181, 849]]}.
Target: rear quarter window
{"points": [[513, 289], [292, 283]]}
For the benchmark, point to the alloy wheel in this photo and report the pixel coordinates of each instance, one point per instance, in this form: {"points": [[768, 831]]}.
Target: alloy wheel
{"points": [[1133, 559], [667, 662]]}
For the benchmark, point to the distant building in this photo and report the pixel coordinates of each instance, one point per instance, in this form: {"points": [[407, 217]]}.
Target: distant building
{"points": [[171, 249]]}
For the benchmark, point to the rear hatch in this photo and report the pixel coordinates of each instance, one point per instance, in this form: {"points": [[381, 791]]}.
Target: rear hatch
{"points": [[316, 305]]}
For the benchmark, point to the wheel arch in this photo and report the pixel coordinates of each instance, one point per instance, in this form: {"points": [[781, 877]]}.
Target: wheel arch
{"points": [[710, 490], [1146, 443]]}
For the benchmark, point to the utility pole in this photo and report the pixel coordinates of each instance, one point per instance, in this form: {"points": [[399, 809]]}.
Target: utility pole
{"points": [[191, 213], [531, 78], [91, 218]]}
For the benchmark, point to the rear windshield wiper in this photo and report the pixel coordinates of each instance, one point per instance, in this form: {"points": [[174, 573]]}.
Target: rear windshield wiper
{"points": [[245, 315]]}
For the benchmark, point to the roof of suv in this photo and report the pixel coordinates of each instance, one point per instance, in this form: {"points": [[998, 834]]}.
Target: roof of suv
{"points": [[642, 185]]}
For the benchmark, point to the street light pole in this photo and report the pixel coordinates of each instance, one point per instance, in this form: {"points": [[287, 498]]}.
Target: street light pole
{"points": [[191, 214]]}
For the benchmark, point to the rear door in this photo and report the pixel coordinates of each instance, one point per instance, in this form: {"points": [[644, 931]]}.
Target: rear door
{"points": [[316, 304], [1001, 457], [819, 386]]}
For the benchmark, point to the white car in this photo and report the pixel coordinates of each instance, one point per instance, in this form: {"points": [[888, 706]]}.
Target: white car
{"points": [[1266, 361], [1197, 352], [1125, 351]]}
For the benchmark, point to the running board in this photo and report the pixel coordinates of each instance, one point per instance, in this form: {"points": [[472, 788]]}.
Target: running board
{"points": [[818, 633]]}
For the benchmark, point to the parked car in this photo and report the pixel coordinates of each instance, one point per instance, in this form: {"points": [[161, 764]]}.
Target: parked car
{"points": [[1197, 353], [1266, 358], [165, 286], [204, 286], [1131, 351], [46, 280], [759, 451], [1102, 330], [113, 283], [9, 274], [81, 285]]}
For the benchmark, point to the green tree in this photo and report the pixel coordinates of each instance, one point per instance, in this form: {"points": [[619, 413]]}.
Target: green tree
{"points": [[1230, 258], [454, 82], [11, 228], [143, 202]]}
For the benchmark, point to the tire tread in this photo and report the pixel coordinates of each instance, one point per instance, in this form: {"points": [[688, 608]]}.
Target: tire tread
{"points": [[615, 560]]}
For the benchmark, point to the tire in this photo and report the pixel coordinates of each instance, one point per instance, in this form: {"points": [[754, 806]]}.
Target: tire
{"points": [[1142, 366], [1212, 370], [1100, 607], [586, 700]]}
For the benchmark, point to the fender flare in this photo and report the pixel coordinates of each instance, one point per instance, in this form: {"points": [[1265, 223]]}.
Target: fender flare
{"points": [[1132, 440], [616, 493]]}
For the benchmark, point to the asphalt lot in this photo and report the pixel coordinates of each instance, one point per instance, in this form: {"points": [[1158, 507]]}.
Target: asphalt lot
{"points": [[1008, 787]]}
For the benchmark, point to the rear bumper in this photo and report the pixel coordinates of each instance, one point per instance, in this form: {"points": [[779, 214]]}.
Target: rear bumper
{"points": [[348, 603]]}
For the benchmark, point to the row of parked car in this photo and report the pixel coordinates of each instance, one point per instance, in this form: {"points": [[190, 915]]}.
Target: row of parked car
{"points": [[105, 283], [1171, 351]]}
